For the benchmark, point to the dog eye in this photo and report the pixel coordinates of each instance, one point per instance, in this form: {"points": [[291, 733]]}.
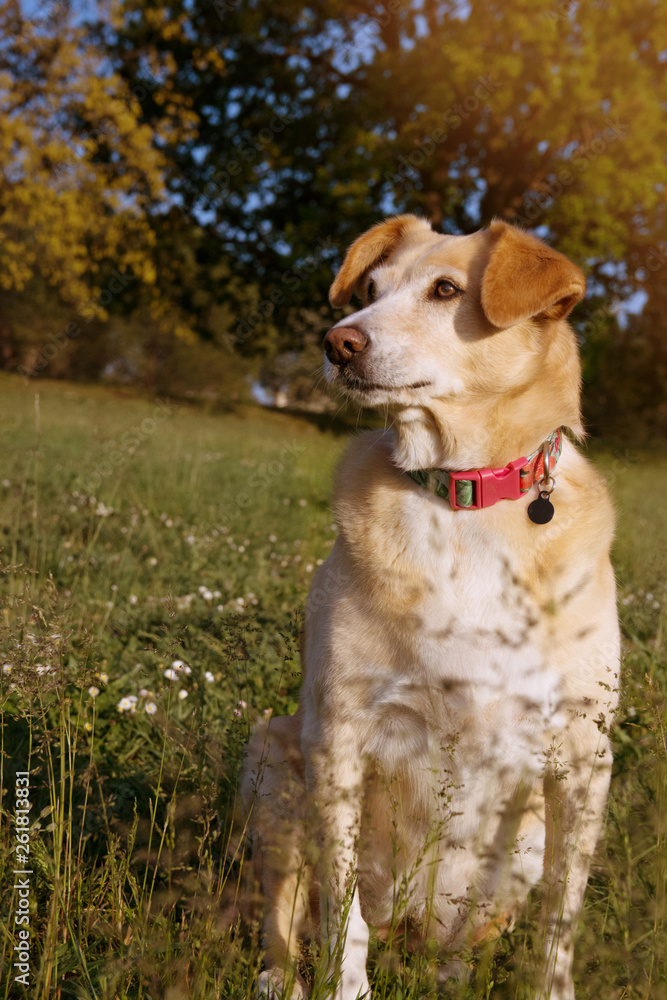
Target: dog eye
{"points": [[445, 290], [371, 291]]}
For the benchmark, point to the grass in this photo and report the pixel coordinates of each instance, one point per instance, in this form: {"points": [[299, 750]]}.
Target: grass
{"points": [[135, 538]]}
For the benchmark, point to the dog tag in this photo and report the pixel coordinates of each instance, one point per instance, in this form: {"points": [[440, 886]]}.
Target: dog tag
{"points": [[541, 511]]}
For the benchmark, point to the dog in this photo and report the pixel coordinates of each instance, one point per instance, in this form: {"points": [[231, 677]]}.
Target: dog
{"points": [[461, 648]]}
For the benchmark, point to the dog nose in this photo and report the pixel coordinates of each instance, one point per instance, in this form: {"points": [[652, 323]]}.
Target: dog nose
{"points": [[342, 343]]}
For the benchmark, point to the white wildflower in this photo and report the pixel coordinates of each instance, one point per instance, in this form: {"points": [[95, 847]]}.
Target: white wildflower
{"points": [[93, 691], [150, 707], [209, 677]]}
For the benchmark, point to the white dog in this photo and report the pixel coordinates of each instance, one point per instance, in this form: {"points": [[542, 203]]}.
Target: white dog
{"points": [[461, 648]]}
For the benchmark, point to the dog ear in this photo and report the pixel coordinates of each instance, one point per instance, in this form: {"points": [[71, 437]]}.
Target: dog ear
{"points": [[524, 278], [368, 251]]}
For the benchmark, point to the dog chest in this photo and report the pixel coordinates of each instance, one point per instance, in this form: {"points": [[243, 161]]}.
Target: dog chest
{"points": [[437, 642], [449, 607]]}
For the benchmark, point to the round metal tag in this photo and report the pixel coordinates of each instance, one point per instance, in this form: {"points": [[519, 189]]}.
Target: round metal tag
{"points": [[541, 511]]}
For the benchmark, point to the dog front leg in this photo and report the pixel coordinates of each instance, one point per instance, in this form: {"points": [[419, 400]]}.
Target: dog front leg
{"points": [[337, 779], [575, 791]]}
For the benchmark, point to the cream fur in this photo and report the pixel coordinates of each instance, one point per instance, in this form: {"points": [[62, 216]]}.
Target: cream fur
{"points": [[450, 749]]}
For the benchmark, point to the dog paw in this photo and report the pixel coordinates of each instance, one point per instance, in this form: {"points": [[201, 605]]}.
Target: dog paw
{"points": [[275, 984], [557, 993], [350, 991], [456, 969]]}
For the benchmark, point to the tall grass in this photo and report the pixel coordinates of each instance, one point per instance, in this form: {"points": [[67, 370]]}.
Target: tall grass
{"points": [[184, 568]]}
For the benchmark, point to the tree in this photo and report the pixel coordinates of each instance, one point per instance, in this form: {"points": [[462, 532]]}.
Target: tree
{"points": [[315, 117], [79, 173]]}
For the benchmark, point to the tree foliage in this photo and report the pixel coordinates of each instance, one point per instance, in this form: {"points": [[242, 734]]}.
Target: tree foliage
{"points": [[226, 151], [315, 118], [79, 173]]}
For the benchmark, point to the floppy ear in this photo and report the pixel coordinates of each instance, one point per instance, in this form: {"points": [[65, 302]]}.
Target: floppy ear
{"points": [[524, 277], [369, 250]]}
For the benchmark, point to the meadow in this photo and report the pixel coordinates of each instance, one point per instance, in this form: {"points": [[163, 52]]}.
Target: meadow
{"points": [[154, 564]]}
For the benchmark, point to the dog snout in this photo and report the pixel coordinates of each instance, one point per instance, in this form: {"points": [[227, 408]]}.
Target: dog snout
{"points": [[343, 343]]}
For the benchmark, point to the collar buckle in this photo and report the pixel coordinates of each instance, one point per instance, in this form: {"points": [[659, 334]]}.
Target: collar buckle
{"points": [[490, 485]]}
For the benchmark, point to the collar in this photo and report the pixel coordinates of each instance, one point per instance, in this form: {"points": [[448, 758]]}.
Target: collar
{"points": [[477, 488]]}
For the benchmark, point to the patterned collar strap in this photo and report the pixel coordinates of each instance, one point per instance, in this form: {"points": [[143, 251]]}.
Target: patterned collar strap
{"points": [[477, 488]]}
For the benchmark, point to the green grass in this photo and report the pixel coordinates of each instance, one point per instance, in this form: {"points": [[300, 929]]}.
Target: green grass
{"points": [[134, 537]]}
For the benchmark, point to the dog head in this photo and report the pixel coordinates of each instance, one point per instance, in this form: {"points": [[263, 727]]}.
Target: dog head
{"points": [[458, 335]]}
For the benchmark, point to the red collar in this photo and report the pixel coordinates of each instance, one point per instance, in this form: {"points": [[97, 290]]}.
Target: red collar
{"points": [[477, 488]]}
